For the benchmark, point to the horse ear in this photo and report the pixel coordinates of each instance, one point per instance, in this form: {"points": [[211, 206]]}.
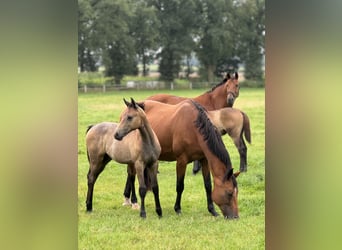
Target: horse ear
{"points": [[236, 174], [236, 75], [229, 174], [126, 102], [228, 76], [134, 103]]}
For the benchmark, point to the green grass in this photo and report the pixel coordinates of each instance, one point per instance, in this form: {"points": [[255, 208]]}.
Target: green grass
{"points": [[112, 226]]}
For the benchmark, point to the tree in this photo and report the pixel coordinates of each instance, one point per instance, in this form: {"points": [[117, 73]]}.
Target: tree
{"points": [[215, 37], [113, 40], [144, 30], [86, 58], [178, 22], [252, 37]]}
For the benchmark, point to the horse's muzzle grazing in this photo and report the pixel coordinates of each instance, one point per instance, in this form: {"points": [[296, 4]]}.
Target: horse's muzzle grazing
{"points": [[234, 217]]}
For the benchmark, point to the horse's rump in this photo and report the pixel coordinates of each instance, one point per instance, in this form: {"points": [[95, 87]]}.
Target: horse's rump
{"points": [[246, 127]]}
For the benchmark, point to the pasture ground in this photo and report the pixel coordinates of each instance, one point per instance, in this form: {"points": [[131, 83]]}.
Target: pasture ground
{"points": [[112, 226]]}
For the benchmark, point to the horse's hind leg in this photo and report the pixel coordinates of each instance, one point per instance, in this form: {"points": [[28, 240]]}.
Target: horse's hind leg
{"points": [[94, 171], [207, 186], [155, 188], [180, 169], [129, 187], [242, 148], [196, 167]]}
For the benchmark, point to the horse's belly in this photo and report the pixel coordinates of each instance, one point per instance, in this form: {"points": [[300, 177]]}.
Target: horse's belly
{"points": [[167, 157], [121, 153]]}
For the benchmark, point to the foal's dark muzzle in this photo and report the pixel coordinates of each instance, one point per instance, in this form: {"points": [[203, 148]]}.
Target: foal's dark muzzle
{"points": [[118, 137]]}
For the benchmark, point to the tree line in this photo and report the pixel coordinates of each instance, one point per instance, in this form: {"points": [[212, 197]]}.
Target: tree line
{"points": [[221, 34]]}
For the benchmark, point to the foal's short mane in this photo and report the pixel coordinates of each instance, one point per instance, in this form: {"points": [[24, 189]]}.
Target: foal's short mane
{"points": [[211, 135], [218, 85]]}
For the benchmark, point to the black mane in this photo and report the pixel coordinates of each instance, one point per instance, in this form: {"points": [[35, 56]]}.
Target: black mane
{"points": [[211, 136], [218, 85]]}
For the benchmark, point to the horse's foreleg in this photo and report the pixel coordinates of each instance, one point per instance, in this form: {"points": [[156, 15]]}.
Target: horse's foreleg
{"points": [[139, 167], [207, 186], [155, 188], [180, 169]]}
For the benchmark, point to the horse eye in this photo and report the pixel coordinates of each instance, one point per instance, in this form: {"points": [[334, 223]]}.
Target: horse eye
{"points": [[129, 118]]}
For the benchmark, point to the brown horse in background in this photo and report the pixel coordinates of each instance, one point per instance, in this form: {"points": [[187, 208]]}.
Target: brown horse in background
{"points": [[134, 144], [185, 134], [220, 96]]}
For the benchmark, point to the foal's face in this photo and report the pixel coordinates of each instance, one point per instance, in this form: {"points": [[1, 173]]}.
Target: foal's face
{"points": [[225, 195], [130, 120], [232, 88]]}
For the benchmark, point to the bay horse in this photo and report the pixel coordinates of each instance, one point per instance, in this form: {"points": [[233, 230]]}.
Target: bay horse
{"points": [[235, 123], [130, 142], [185, 134], [220, 96]]}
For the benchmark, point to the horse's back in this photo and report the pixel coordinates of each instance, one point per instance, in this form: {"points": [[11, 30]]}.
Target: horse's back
{"points": [[100, 131], [173, 125], [166, 98], [100, 141]]}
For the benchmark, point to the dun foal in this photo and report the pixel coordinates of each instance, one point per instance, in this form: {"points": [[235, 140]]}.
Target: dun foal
{"points": [[130, 142]]}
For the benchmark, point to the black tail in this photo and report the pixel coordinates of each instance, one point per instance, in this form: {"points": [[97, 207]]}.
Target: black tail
{"points": [[246, 127], [89, 127]]}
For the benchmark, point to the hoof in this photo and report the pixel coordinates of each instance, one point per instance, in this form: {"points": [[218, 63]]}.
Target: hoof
{"points": [[159, 212], [126, 202], [143, 215], [212, 210], [213, 213], [243, 169], [179, 212], [135, 206]]}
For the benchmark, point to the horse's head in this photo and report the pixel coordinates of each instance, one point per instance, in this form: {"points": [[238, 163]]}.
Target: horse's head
{"points": [[232, 87], [131, 119], [225, 195]]}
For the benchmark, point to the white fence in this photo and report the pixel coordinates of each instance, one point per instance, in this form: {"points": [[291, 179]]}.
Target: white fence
{"points": [[137, 85]]}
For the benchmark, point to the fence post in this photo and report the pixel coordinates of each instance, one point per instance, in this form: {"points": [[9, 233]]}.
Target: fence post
{"points": [[190, 85], [171, 85], [104, 88], [85, 88]]}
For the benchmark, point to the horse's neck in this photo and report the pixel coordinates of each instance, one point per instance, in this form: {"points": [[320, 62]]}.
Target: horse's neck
{"points": [[212, 100], [147, 133], [217, 167]]}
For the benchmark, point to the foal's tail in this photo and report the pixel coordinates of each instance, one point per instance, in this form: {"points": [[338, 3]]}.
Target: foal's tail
{"points": [[89, 127], [246, 127]]}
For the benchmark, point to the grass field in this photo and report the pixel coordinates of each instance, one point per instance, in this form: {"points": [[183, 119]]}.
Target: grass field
{"points": [[112, 226]]}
